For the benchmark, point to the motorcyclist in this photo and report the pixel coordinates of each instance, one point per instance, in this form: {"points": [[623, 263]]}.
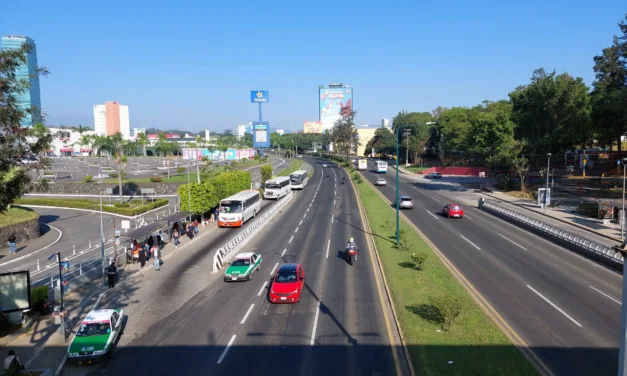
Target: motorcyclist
{"points": [[343, 180], [351, 246]]}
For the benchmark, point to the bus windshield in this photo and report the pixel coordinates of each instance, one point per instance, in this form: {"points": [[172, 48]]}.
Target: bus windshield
{"points": [[296, 178], [273, 186], [230, 207]]}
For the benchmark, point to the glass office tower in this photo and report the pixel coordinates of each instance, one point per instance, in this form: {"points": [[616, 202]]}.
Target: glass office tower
{"points": [[31, 97]]}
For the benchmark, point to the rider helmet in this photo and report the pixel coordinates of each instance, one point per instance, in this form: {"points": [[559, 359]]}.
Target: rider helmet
{"points": [[352, 240]]}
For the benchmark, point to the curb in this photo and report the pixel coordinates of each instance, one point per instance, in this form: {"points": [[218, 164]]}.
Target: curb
{"points": [[557, 219], [483, 304], [40, 249], [366, 222]]}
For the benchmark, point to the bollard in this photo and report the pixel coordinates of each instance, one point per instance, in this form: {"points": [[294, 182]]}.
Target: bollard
{"points": [[157, 216], [37, 264], [169, 210], [74, 250], [90, 243]]}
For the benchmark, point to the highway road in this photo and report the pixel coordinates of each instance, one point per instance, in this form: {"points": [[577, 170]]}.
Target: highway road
{"points": [[565, 307], [196, 324]]}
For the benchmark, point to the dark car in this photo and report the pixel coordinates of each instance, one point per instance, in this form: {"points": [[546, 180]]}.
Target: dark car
{"points": [[434, 175]]}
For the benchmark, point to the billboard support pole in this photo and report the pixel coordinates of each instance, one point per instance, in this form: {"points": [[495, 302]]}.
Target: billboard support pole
{"points": [[260, 120]]}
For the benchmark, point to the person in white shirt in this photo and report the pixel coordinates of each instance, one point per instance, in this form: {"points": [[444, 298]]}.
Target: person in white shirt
{"points": [[12, 362]]}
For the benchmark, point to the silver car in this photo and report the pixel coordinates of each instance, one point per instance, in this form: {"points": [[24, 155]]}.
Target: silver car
{"points": [[406, 203], [381, 181]]}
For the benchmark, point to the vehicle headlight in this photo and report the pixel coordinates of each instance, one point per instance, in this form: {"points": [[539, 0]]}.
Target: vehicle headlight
{"points": [[100, 352], [73, 354], [294, 292]]}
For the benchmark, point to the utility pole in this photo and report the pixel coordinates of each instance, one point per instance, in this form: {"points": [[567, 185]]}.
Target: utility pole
{"points": [[406, 134]]}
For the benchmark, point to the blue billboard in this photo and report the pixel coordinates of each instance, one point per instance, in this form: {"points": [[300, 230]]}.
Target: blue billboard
{"points": [[261, 134], [259, 96]]}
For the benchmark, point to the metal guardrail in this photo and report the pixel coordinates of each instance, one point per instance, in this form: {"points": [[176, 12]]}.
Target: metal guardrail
{"points": [[602, 252], [226, 252]]}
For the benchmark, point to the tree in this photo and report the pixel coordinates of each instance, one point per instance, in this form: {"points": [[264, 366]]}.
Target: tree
{"points": [[343, 133], [162, 146], [521, 166], [491, 130], [552, 112], [223, 146], [203, 197], [266, 173], [117, 146], [382, 142], [142, 141], [42, 139]]}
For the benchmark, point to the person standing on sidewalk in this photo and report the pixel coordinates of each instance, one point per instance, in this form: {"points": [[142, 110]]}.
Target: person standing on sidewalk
{"points": [[111, 273], [12, 363], [156, 256], [12, 241], [196, 224]]}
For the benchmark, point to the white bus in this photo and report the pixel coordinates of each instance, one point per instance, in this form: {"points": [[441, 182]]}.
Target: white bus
{"points": [[239, 208], [299, 179], [381, 166], [277, 187], [362, 164]]}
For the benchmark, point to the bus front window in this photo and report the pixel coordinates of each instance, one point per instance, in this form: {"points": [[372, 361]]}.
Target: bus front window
{"points": [[227, 207]]}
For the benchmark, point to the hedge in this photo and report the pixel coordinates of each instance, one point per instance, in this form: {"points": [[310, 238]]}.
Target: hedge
{"points": [[92, 205], [207, 195]]}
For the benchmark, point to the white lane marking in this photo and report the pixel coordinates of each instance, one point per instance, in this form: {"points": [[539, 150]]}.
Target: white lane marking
{"points": [[262, 288], [295, 231], [554, 306], [304, 215], [315, 325], [274, 268], [328, 247], [331, 219], [433, 215], [607, 296], [301, 222], [334, 192], [307, 210], [247, 313], [435, 199], [309, 205], [226, 349], [292, 238], [511, 241], [283, 253], [473, 244], [467, 216], [333, 202]]}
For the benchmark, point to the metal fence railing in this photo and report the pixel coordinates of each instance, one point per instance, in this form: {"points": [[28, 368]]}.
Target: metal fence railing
{"points": [[602, 252]]}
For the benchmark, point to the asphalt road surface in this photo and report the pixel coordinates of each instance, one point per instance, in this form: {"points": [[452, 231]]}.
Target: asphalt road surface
{"points": [[196, 324], [565, 307]]}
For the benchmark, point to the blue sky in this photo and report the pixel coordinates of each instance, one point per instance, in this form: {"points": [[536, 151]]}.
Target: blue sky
{"points": [[191, 64]]}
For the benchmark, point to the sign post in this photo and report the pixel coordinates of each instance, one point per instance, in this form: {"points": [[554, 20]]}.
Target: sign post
{"points": [[260, 97]]}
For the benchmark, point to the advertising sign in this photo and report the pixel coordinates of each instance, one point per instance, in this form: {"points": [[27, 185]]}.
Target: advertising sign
{"points": [[65, 266], [230, 155], [541, 198], [606, 209], [14, 291], [261, 134], [312, 127], [332, 101], [259, 96]]}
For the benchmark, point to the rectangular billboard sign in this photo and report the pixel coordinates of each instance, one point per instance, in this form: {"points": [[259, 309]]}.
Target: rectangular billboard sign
{"points": [[15, 291], [259, 96], [332, 101], [261, 134], [312, 127]]}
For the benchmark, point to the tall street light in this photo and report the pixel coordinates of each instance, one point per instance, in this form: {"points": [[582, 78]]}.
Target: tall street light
{"points": [[546, 192], [622, 214], [622, 370], [398, 199], [102, 246], [189, 191]]}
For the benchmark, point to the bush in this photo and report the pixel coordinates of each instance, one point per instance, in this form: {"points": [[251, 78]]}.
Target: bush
{"points": [[118, 204], [419, 260], [503, 182], [88, 178], [39, 295], [156, 179], [92, 205], [113, 175], [357, 178], [449, 308], [181, 170]]}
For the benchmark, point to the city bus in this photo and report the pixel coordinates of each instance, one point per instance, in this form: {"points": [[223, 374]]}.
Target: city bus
{"points": [[277, 187], [299, 179], [362, 164], [239, 208], [381, 166]]}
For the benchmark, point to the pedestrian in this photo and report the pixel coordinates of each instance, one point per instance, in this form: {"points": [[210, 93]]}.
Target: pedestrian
{"points": [[196, 226], [176, 236], [156, 256], [216, 212], [111, 273], [12, 363], [12, 240], [159, 240], [142, 257]]}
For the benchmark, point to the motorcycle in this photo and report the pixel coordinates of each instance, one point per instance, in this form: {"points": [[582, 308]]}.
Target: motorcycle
{"points": [[343, 180], [351, 255]]}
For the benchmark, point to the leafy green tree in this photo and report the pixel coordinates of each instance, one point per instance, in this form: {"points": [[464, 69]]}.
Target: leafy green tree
{"points": [[418, 124], [42, 139], [491, 130], [266, 173], [142, 141], [203, 197], [344, 134], [382, 142]]}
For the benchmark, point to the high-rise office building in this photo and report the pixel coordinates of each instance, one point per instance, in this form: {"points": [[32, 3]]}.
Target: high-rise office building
{"points": [[31, 97], [111, 118]]}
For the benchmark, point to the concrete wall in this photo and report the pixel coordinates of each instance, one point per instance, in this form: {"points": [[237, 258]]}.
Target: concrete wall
{"points": [[128, 188], [23, 231]]}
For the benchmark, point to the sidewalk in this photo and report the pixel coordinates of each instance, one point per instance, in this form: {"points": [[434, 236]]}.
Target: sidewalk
{"points": [[43, 345], [49, 238], [563, 217]]}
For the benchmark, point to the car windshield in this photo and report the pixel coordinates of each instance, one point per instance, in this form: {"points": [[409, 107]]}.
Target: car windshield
{"points": [[231, 207], [286, 276], [241, 262], [93, 329], [456, 207], [273, 186]]}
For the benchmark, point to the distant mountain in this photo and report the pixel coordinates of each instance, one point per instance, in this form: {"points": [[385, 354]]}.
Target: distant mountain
{"points": [[70, 120]]}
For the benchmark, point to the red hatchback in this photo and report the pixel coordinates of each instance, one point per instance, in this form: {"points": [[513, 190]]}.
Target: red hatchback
{"points": [[453, 211], [287, 284]]}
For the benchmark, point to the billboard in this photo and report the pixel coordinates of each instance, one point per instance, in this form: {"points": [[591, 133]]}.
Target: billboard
{"points": [[312, 127], [332, 101], [259, 96], [14, 291], [261, 134]]}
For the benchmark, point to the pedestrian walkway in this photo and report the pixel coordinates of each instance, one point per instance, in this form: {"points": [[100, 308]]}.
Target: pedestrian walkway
{"points": [[43, 346], [49, 238]]}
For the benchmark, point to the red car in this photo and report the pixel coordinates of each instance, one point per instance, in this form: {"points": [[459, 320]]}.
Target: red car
{"points": [[287, 284], [453, 211]]}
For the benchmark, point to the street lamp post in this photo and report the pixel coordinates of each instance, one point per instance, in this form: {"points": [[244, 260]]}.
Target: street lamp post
{"points": [[102, 246], [398, 199], [189, 192], [546, 192]]}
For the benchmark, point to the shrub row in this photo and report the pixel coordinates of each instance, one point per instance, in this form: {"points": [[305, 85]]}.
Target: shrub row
{"points": [[200, 198], [93, 205]]}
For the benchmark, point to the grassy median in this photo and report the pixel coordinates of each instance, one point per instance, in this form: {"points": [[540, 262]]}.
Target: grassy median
{"points": [[15, 215], [473, 343], [294, 165]]}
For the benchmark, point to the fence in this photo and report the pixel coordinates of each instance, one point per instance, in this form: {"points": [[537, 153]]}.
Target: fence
{"points": [[588, 248], [226, 252]]}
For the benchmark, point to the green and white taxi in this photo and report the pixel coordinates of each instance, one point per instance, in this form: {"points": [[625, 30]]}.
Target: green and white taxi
{"points": [[96, 335], [242, 267]]}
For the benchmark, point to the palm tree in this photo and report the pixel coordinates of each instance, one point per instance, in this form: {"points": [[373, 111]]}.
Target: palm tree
{"points": [[130, 148], [162, 146], [43, 139], [223, 146], [81, 129], [84, 140], [142, 140], [116, 142]]}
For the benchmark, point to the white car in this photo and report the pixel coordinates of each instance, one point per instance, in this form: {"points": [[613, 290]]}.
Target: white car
{"points": [[381, 181], [406, 203], [324, 165]]}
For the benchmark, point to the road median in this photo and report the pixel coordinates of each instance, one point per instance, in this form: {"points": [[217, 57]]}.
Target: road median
{"points": [[438, 342]]}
